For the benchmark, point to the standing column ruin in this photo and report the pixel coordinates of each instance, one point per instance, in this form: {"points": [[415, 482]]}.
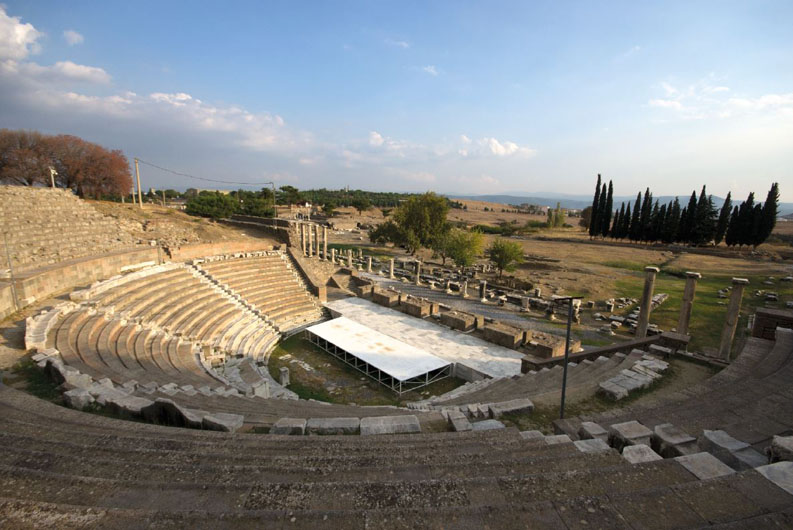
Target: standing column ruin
{"points": [[316, 240], [391, 268], [333, 256], [647, 299], [733, 312], [464, 289], [688, 302], [325, 243], [369, 264], [308, 240], [483, 290], [302, 237], [418, 273], [349, 257]]}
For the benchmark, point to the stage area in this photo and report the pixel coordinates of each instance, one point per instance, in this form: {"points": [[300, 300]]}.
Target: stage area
{"points": [[389, 361], [426, 335]]}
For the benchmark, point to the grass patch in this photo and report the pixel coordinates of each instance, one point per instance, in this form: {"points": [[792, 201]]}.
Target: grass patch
{"points": [[37, 382], [625, 265]]}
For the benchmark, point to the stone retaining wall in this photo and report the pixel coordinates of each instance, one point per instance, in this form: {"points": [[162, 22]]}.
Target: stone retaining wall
{"points": [[767, 320], [7, 306], [201, 250]]}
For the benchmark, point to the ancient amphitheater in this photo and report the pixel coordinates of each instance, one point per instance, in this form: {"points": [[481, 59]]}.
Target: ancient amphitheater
{"points": [[168, 348]]}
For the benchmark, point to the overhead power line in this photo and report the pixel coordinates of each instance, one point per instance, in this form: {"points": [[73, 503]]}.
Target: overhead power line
{"points": [[202, 178]]}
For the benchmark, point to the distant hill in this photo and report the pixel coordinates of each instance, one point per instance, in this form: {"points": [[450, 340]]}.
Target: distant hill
{"points": [[581, 201]]}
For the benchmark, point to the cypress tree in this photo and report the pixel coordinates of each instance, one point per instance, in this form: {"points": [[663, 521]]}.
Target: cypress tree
{"points": [[733, 228], [687, 224], [594, 219], [672, 222], [619, 221], [757, 221], [608, 211], [702, 224], [615, 226], [770, 211], [659, 217], [601, 211], [724, 219], [745, 221], [625, 230], [635, 228], [644, 217]]}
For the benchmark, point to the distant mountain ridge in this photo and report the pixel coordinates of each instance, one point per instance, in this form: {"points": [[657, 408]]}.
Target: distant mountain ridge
{"points": [[581, 201]]}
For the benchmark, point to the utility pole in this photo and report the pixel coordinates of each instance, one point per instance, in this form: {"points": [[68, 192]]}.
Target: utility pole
{"points": [[137, 176]]}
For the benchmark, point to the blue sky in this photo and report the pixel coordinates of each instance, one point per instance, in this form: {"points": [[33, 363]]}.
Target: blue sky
{"points": [[458, 97]]}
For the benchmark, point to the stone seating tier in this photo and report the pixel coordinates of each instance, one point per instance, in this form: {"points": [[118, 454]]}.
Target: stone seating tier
{"points": [[86, 470], [51, 225]]}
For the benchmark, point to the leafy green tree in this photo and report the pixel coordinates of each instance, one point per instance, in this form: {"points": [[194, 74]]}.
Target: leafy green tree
{"points": [[212, 204], [416, 223], [289, 195], [361, 204], [586, 217], [505, 255], [329, 208], [464, 246]]}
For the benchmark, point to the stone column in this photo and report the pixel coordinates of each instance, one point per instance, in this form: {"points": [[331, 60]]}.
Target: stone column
{"points": [[308, 240], [646, 304], [283, 376], [333, 256], [483, 290], [325, 243], [731, 323], [688, 302], [448, 286], [464, 289], [303, 237], [349, 257], [418, 273], [391, 268], [369, 264]]}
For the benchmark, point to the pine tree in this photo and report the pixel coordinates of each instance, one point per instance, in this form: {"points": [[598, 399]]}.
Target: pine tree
{"points": [[608, 211], [770, 211], [733, 228], [635, 228], [724, 219], [594, 219]]}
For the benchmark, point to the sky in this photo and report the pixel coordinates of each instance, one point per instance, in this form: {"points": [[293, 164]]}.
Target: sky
{"points": [[456, 97]]}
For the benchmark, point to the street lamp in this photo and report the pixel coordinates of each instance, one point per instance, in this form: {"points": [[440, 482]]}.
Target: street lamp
{"points": [[569, 300]]}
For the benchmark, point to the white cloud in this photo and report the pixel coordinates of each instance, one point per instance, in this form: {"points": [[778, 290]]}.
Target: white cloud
{"points": [[80, 72], [72, 37], [398, 43], [17, 40], [666, 104], [430, 69], [464, 139], [60, 72], [763, 102], [375, 139]]}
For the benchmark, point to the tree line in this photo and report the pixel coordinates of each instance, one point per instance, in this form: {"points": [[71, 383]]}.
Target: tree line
{"points": [[697, 223], [86, 168]]}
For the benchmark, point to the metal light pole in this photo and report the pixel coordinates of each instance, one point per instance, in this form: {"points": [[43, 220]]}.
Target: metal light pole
{"points": [[569, 300]]}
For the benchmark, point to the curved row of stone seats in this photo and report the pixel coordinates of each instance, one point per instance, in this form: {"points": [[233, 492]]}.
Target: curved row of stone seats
{"points": [[543, 386], [46, 225], [69, 469], [103, 347], [267, 283], [182, 302], [752, 399]]}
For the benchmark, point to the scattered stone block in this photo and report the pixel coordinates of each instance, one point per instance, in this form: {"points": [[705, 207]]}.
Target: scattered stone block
{"points": [[704, 466], [628, 433], [221, 421], [780, 473], [532, 435], [514, 406], [78, 398], [670, 441], [127, 405], [166, 412], [660, 350], [458, 320], [555, 439], [487, 425], [390, 425], [612, 391], [781, 448], [458, 421], [727, 449], [590, 430], [291, 426], [326, 426], [592, 445], [640, 453]]}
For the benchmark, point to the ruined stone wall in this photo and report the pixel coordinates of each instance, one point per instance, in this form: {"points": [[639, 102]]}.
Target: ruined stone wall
{"points": [[767, 320], [201, 250], [6, 300]]}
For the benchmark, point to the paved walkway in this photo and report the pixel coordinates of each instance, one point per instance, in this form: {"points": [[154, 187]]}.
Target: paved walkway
{"points": [[440, 341]]}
